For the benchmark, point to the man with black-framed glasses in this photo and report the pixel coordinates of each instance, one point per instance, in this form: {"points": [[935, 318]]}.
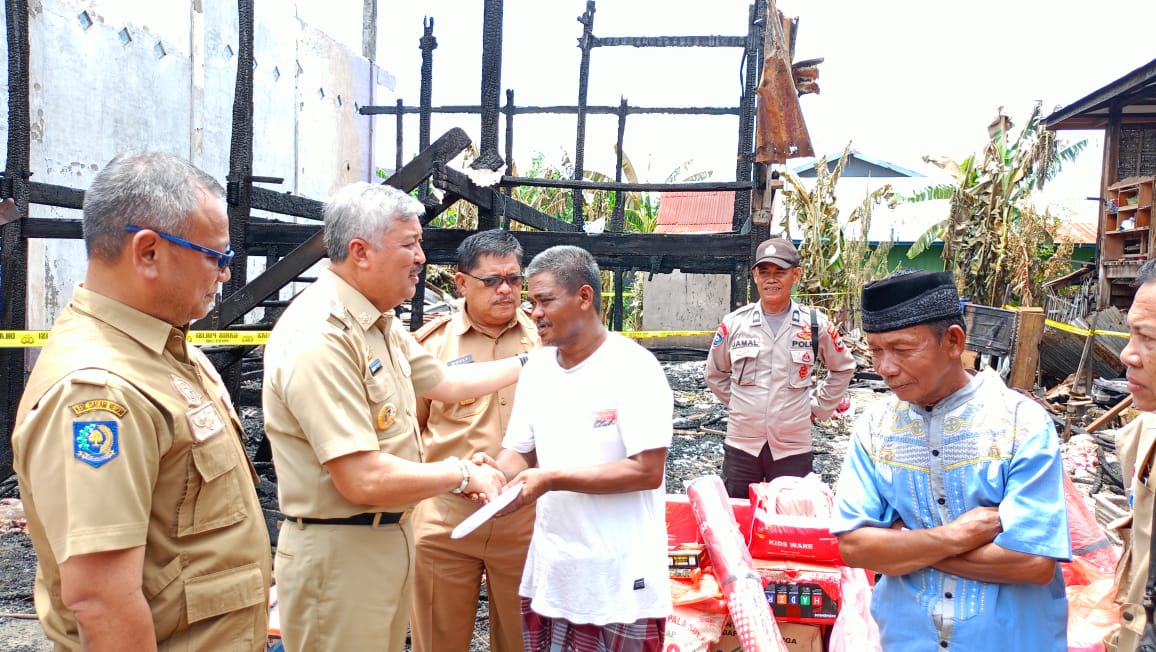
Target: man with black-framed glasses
{"points": [[139, 496], [487, 325]]}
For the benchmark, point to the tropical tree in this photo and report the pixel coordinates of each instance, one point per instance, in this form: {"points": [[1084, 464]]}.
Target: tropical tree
{"points": [[988, 236], [836, 257]]}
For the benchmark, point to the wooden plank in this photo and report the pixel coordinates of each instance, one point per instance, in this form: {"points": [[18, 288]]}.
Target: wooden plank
{"points": [[1109, 415], [1027, 351]]}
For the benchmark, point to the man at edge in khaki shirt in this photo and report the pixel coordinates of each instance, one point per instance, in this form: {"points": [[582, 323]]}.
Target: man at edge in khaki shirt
{"points": [[139, 497], [488, 325]]}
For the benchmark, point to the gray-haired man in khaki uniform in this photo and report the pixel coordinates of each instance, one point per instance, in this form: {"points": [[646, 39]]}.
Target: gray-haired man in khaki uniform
{"points": [[139, 496], [342, 378]]}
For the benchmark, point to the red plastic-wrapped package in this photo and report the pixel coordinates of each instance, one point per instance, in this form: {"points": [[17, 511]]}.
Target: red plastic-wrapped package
{"points": [[791, 520], [733, 566]]}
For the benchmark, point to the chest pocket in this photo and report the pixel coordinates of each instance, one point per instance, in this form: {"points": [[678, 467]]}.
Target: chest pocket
{"points": [[744, 365], [212, 498], [801, 368], [387, 410]]}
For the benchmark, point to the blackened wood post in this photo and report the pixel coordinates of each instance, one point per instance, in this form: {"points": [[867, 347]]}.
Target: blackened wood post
{"points": [[491, 91], [507, 191], [13, 246], [585, 43], [398, 162], [618, 220], [744, 157], [428, 45], [240, 180]]}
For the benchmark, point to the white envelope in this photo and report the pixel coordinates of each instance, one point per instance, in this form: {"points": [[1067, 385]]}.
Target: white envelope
{"points": [[487, 511]]}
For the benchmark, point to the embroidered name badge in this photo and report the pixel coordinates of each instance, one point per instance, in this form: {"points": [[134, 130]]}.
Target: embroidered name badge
{"points": [[95, 442], [603, 418], [374, 366], [99, 405], [745, 343], [719, 335], [465, 359]]}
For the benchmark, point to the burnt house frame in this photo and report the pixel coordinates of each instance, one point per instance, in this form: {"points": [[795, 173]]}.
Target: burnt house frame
{"points": [[291, 249], [1125, 110]]}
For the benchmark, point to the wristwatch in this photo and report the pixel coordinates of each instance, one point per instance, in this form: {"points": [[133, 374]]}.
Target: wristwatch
{"points": [[464, 467]]}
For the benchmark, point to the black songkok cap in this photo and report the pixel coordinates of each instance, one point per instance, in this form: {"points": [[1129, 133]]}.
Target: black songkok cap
{"points": [[909, 298]]}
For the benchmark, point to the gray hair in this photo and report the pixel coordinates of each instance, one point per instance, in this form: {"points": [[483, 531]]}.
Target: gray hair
{"points": [[494, 242], [572, 268], [365, 211], [153, 190], [1146, 274]]}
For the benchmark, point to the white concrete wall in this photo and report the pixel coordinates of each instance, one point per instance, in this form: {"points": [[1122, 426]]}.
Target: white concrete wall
{"points": [[685, 302], [170, 88]]}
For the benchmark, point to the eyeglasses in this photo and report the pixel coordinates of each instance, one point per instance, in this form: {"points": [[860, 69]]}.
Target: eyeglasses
{"points": [[223, 258], [514, 281]]}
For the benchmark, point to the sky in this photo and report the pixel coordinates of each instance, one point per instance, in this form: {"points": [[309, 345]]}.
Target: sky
{"points": [[901, 79]]}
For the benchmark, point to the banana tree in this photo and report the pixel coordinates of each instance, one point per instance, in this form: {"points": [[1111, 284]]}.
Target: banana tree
{"points": [[836, 260], [987, 203]]}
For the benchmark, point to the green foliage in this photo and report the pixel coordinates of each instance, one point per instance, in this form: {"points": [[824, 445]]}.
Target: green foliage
{"points": [[990, 241], [835, 265]]}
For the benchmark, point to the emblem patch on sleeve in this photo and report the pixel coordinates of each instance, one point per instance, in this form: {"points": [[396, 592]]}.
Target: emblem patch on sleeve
{"points": [[99, 404], [719, 335], [95, 442]]}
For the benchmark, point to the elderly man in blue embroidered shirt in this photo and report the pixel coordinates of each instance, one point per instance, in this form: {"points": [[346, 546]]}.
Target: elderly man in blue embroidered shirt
{"points": [[952, 489]]}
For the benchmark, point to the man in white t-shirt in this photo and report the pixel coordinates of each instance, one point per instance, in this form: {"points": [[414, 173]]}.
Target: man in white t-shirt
{"points": [[588, 438]]}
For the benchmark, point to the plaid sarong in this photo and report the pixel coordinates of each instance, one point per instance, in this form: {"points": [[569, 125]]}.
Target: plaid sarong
{"points": [[542, 634]]}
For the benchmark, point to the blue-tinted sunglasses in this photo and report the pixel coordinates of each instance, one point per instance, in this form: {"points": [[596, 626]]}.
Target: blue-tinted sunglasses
{"points": [[223, 258]]}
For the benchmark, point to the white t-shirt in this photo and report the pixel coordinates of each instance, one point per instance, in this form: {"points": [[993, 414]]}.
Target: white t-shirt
{"points": [[595, 558]]}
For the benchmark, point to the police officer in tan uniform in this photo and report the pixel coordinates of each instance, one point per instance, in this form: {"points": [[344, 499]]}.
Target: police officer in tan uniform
{"points": [[760, 366], [140, 500], [342, 376], [488, 325]]}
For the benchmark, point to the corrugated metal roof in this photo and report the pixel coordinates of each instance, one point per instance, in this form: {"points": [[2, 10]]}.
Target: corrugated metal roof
{"points": [[695, 212], [1079, 232]]}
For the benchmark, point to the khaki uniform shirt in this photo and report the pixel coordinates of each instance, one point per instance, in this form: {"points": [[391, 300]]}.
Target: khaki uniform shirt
{"points": [[1135, 448], [764, 378], [125, 437], [475, 424], [340, 378]]}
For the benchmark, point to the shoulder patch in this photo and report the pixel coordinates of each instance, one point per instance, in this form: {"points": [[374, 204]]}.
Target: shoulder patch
{"points": [[430, 327], [95, 442], [719, 335], [99, 405]]}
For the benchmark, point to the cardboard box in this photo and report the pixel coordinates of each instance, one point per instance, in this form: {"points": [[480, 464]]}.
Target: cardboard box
{"points": [[797, 637]]}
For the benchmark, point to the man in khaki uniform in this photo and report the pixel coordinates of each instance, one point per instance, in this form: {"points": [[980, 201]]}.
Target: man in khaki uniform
{"points": [[342, 377], [139, 496], [1136, 449], [489, 325]]}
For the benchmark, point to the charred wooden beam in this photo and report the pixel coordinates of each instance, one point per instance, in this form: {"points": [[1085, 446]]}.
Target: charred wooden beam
{"points": [[710, 41], [459, 184], [693, 253], [698, 186], [312, 247], [13, 246], [558, 109]]}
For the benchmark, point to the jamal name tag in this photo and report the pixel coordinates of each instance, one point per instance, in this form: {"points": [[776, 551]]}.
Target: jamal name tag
{"points": [[204, 422]]}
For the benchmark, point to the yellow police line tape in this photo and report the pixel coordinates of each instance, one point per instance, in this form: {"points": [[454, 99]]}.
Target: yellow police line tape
{"points": [[1083, 332], [33, 339]]}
